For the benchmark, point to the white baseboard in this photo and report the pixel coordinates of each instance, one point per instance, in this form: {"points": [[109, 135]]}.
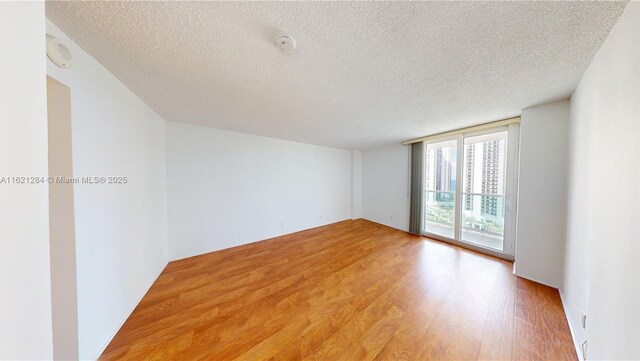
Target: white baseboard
{"points": [[576, 342]]}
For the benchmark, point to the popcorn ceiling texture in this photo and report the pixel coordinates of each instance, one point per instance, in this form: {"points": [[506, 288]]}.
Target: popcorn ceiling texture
{"points": [[364, 74]]}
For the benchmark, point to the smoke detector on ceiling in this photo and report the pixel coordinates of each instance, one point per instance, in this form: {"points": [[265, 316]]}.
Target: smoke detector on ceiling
{"points": [[58, 53], [286, 44]]}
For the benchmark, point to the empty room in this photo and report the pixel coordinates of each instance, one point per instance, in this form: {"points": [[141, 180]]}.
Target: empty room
{"points": [[319, 180]]}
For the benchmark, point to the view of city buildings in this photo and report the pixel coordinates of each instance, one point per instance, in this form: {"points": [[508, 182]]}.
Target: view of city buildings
{"points": [[441, 167], [483, 190]]}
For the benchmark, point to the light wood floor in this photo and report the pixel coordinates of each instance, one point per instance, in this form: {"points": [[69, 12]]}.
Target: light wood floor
{"points": [[353, 290]]}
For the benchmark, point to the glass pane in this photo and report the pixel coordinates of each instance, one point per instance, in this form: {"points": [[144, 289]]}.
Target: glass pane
{"points": [[483, 220], [485, 164], [440, 213], [440, 183], [484, 186]]}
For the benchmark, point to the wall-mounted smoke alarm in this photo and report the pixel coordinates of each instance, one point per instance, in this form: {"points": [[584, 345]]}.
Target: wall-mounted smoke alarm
{"points": [[58, 53], [286, 44]]}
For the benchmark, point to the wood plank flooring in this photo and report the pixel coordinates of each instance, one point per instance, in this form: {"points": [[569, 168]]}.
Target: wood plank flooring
{"points": [[354, 290]]}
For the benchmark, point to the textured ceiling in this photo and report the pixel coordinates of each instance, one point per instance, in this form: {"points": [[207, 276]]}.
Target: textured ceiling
{"points": [[364, 74]]}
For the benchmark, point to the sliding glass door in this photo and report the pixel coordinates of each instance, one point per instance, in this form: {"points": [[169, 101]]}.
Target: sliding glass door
{"points": [[469, 182], [483, 193]]}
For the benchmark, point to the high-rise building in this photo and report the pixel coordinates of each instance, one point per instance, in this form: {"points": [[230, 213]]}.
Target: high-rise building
{"points": [[443, 169], [484, 175], [492, 180], [440, 172], [470, 162]]}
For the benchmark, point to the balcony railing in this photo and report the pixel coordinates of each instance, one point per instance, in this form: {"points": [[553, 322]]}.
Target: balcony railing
{"points": [[482, 217]]}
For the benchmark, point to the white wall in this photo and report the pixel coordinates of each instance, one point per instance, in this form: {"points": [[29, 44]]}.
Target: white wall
{"points": [[121, 233], [602, 273], [226, 189], [385, 186], [25, 292], [542, 195], [356, 184]]}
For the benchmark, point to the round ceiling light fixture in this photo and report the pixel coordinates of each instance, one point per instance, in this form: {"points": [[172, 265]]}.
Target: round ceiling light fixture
{"points": [[286, 44], [58, 53]]}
